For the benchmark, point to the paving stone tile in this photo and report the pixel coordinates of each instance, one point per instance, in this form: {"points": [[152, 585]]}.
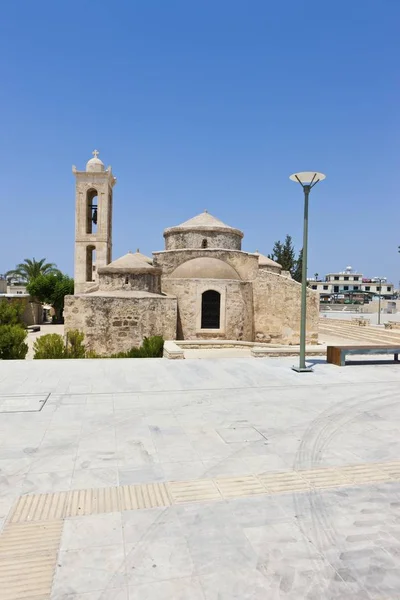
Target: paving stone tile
{"points": [[145, 474], [92, 531], [93, 478], [150, 524], [80, 571], [160, 559], [43, 483], [184, 588], [107, 594]]}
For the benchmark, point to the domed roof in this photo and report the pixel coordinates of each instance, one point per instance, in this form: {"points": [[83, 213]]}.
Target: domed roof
{"points": [[203, 222], [130, 263], [95, 164], [204, 219], [264, 261], [205, 268], [146, 259]]}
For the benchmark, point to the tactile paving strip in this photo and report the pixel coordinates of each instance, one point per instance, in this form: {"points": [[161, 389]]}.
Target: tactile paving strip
{"points": [[41, 507], [45, 507], [28, 555]]}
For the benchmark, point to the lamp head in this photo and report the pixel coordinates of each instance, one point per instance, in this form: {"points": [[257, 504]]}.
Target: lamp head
{"points": [[309, 178]]}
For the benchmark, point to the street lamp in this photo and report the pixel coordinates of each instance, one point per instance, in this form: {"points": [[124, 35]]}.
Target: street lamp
{"points": [[307, 180], [380, 279]]}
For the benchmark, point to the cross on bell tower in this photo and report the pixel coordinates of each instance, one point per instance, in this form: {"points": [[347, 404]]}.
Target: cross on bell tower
{"points": [[93, 221]]}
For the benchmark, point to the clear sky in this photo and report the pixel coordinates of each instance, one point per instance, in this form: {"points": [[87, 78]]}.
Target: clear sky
{"points": [[196, 105]]}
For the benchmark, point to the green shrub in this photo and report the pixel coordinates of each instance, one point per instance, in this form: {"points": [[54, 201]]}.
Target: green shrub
{"points": [[135, 352], [49, 346], [93, 354], [74, 346], [11, 311], [119, 355], [12, 342], [152, 347], [52, 345]]}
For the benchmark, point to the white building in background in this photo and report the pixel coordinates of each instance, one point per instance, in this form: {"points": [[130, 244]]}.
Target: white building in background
{"points": [[349, 280]]}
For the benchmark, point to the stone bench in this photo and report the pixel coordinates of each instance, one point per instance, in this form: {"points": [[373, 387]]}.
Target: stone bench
{"points": [[336, 355]]}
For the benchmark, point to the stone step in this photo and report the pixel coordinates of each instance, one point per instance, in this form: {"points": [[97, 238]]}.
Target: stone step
{"points": [[384, 333], [371, 335]]}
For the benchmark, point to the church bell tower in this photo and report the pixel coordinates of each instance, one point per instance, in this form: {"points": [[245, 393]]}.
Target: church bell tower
{"points": [[93, 221]]}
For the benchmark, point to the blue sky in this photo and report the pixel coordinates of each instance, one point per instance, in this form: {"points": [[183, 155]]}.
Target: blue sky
{"points": [[198, 105]]}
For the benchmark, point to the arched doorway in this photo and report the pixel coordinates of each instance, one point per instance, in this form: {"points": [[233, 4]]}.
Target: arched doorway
{"points": [[210, 309]]}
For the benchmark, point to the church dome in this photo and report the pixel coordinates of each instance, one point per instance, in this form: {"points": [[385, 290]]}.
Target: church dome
{"points": [[204, 221], [130, 263], [130, 273], [205, 268], [95, 164], [146, 259], [203, 231]]}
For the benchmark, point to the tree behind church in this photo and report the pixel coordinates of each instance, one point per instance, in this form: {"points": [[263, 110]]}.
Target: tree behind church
{"points": [[51, 289], [298, 270], [284, 254], [31, 268]]}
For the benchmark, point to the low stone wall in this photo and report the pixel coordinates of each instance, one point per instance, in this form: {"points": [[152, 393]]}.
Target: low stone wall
{"points": [[172, 351], [176, 349], [261, 352], [116, 324]]}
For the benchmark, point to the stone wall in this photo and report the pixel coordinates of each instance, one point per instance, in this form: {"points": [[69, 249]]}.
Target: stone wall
{"points": [[147, 281], [114, 324], [245, 264], [236, 320], [183, 239], [277, 304]]}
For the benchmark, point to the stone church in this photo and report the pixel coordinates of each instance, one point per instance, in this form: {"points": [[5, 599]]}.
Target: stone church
{"points": [[202, 286]]}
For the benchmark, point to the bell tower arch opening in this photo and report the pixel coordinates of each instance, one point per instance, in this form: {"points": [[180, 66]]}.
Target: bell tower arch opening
{"points": [[93, 221], [92, 211]]}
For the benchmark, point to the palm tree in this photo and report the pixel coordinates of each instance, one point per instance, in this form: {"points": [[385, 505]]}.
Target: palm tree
{"points": [[29, 269]]}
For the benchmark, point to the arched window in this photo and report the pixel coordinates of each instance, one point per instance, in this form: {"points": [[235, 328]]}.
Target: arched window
{"points": [[91, 211], [204, 243], [210, 309]]}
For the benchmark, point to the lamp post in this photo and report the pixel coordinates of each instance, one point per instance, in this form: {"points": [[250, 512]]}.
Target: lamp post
{"points": [[380, 279], [307, 180]]}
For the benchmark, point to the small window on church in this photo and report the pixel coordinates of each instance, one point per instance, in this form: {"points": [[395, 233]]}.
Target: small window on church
{"points": [[126, 279], [91, 211], [204, 243]]}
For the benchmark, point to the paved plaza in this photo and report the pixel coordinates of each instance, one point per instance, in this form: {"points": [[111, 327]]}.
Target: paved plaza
{"points": [[199, 480]]}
